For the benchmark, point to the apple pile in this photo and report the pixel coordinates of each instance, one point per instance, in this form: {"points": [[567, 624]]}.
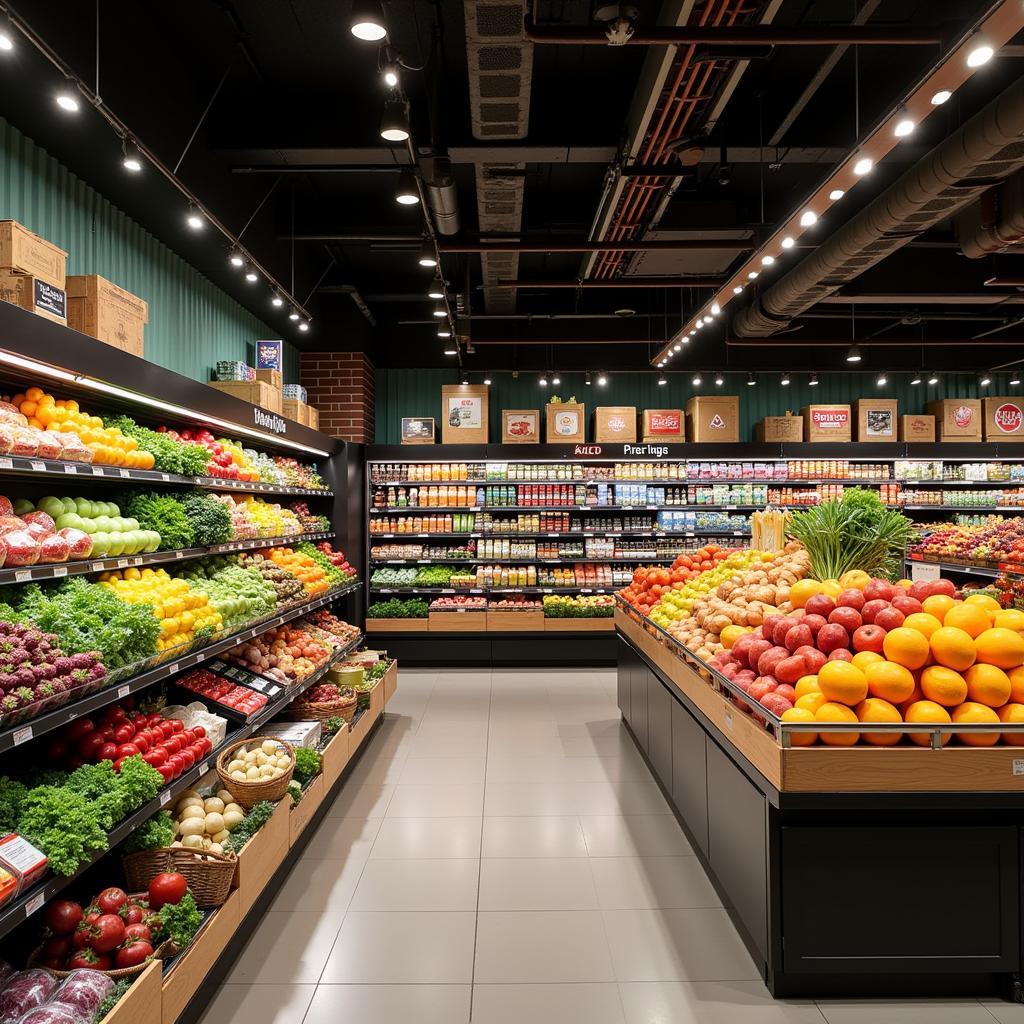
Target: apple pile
{"points": [[995, 540], [768, 662]]}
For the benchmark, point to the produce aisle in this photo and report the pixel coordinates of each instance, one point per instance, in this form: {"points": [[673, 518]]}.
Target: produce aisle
{"points": [[502, 849]]}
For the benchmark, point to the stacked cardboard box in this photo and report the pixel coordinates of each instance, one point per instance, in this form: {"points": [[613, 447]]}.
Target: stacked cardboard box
{"points": [[33, 272]]}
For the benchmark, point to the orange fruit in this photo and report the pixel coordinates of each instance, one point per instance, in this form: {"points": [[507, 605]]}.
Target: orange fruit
{"points": [[990, 604], [811, 701], [889, 681], [831, 712], [34, 394], [727, 637], [855, 578], [906, 646], [874, 709], [864, 658], [1016, 685], [988, 685], [954, 648], [802, 591], [922, 622], [938, 605], [972, 712], [807, 684], [1001, 647], [1012, 714], [1011, 618], [832, 588], [926, 712], [971, 618], [842, 682], [943, 685], [802, 715]]}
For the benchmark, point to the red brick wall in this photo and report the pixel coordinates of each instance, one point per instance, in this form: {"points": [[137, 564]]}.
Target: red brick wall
{"points": [[340, 386]]}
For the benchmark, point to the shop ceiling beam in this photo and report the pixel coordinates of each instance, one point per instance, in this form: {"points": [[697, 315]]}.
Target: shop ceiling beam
{"points": [[844, 343], [619, 282], [737, 35], [546, 245]]}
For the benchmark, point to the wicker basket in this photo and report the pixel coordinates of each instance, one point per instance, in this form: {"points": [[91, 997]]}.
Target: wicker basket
{"points": [[209, 875], [247, 794], [164, 951], [304, 711]]}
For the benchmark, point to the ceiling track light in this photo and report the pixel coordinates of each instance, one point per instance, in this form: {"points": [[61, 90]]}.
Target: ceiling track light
{"points": [[367, 21], [751, 380], [933, 379], [863, 166], [440, 310], [436, 289], [251, 276], [984, 380], [916, 379], [719, 380], [407, 193], [785, 380], [882, 380], [980, 53], [389, 68], [427, 255], [304, 326], [808, 219], [394, 122], [293, 315], [602, 380], [696, 380], [277, 301], [194, 219], [131, 157], [853, 354], [236, 259], [662, 379], [69, 97], [813, 382], [6, 34]]}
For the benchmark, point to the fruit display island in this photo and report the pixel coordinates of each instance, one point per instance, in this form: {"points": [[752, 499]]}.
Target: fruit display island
{"points": [[181, 688], [814, 715]]}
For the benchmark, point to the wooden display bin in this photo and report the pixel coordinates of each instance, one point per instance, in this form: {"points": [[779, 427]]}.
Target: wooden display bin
{"points": [[377, 699], [35, 295], [520, 426], [565, 423], [957, 419], [255, 392], [514, 622], [664, 425], [876, 419], [335, 757], [107, 312], [396, 626], [312, 417], [916, 428], [390, 682], [272, 377], [780, 428], [615, 423], [828, 422], [361, 728], [457, 622], [261, 857], [142, 1003], [302, 812], [1004, 419], [579, 625], [713, 419], [465, 413], [189, 972], [293, 409], [24, 252]]}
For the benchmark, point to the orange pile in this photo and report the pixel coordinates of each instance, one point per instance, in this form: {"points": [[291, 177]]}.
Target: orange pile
{"points": [[302, 567]]}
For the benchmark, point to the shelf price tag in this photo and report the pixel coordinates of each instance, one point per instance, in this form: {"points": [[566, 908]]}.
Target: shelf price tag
{"points": [[123, 691], [98, 471], [165, 477], [122, 563], [39, 467], [165, 798], [124, 473], [6, 464], [204, 767], [35, 903], [172, 668], [21, 575], [70, 468], [98, 566], [22, 735], [60, 570], [925, 571]]}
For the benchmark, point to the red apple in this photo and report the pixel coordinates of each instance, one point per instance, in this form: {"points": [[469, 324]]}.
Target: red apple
{"points": [[944, 587], [814, 623], [889, 618], [787, 691], [777, 705], [767, 662], [797, 636], [730, 671], [819, 604], [790, 669], [745, 677], [869, 638], [762, 686], [850, 598], [848, 618], [872, 608], [907, 604], [840, 654], [879, 590], [755, 650], [742, 647], [768, 626], [782, 628], [813, 658], [832, 637], [920, 589]]}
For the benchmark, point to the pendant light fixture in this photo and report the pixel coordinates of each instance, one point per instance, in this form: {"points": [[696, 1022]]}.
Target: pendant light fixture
{"points": [[602, 380], [719, 380], [853, 354], [984, 380], [1015, 378], [751, 380], [916, 379], [436, 289], [444, 331], [556, 380], [277, 301], [440, 310], [427, 256], [882, 380], [6, 34], [696, 380], [407, 193], [68, 98], [131, 157], [367, 21], [194, 219], [933, 379], [813, 382], [394, 123], [662, 379], [236, 259], [785, 379]]}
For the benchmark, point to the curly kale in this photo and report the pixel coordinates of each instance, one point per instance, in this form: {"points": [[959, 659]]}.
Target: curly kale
{"points": [[61, 823], [210, 519], [259, 814], [115, 996], [154, 834], [179, 921], [171, 456], [162, 513], [307, 764], [12, 796]]}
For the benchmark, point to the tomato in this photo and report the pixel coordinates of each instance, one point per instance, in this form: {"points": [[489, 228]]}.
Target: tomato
{"points": [[167, 887], [133, 953], [88, 745], [56, 751], [177, 764], [80, 939], [76, 730], [141, 742], [138, 931], [127, 750], [115, 713], [155, 757], [108, 752], [123, 733], [88, 959], [131, 914], [207, 746], [63, 916], [111, 900], [172, 745], [177, 726], [166, 772], [199, 731], [106, 934], [187, 758], [166, 728], [154, 718]]}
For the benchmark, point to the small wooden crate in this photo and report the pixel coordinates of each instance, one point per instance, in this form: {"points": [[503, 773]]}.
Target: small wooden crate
{"points": [[515, 622], [261, 857], [465, 414], [141, 1004], [293, 409], [271, 377], [579, 625], [107, 312], [361, 729], [520, 426], [390, 682], [565, 423], [457, 622], [396, 625], [255, 392], [312, 418], [335, 757], [303, 811]]}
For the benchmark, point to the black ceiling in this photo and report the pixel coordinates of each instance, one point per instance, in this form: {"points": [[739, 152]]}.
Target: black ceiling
{"points": [[294, 80]]}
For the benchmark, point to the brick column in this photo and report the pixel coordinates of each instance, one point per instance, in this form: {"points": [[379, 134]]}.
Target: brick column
{"points": [[341, 386]]}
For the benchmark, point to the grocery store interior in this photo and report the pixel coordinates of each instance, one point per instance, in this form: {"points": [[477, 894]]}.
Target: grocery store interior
{"points": [[512, 510]]}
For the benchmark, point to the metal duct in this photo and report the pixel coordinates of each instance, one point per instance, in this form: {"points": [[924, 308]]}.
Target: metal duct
{"points": [[995, 223], [500, 63], [987, 148], [441, 193]]}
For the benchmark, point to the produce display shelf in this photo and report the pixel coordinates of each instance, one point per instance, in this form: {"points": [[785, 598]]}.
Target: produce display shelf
{"points": [[19, 465], [962, 508], [15, 735], [656, 482], [448, 591], [475, 560], [58, 570], [555, 508], [566, 534], [992, 569]]}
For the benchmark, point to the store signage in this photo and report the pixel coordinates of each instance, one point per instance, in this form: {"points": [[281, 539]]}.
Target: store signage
{"points": [[663, 422], [269, 355], [830, 419], [50, 299], [1008, 417], [268, 421], [962, 415], [649, 451]]}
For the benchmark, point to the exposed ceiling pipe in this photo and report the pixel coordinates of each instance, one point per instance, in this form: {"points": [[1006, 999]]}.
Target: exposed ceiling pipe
{"points": [[565, 341], [441, 193], [748, 35], [582, 245], [869, 343], [985, 149], [923, 299], [621, 282], [995, 223]]}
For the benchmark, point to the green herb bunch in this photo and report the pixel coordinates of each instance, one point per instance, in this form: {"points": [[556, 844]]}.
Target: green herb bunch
{"points": [[162, 513], [155, 834], [210, 518], [259, 814], [181, 457], [179, 921], [307, 764]]}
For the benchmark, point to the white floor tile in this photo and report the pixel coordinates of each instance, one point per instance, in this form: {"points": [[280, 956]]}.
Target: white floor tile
{"points": [[320, 886], [410, 838], [361, 801], [403, 949], [634, 835], [533, 837], [417, 885], [529, 799], [1004, 1012], [547, 1004], [434, 771], [675, 883], [390, 1004], [448, 801], [928, 1011], [259, 1004], [707, 1002], [537, 884], [620, 798], [288, 948], [545, 946], [342, 839]]}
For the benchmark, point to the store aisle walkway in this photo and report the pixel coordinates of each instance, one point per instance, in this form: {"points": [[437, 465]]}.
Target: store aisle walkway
{"points": [[502, 851]]}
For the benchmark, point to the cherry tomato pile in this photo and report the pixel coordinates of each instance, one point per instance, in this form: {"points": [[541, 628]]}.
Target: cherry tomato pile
{"points": [[223, 691], [650, 583], [122, 732]]}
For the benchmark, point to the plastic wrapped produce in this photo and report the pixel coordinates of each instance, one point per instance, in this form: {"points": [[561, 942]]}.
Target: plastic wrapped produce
{"points": [[75, 449], [84, 991], [6, 973], [55, 1013], [50, 445], [23, 992], [22, 548], [26, 442], [6, 438], [10, 414]]}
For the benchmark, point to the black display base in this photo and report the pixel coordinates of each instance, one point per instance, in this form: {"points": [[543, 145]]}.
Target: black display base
{"points": [[498, 649], [838, 895]]}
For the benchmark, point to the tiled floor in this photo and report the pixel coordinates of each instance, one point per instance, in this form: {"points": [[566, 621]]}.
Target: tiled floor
{"points": [[501, 854]]}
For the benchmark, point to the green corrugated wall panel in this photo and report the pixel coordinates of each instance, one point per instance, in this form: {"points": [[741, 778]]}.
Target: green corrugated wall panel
{"points": [[192, 323], [418, 393]]}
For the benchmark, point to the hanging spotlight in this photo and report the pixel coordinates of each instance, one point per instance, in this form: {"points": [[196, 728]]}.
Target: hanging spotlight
{"points": [[394, 123], [785, 379], [751, 380], [68, 97], [984, 380], [131, 157], [916, 379], [389, 71], [556, 380], [788, 242], [882, 380], [707, 319], [767, 260], [808, 218], [277, 302], [487, 381], [436, 289], [661, 363], [464, 379], [368, 21], [662, 379], [1015, 379], [685, 340], [451, 351], [933, 378], [440, 310], [941, 97], [677, 348], [194, 219], [853, 354], [6, 34], [813, 382], [981, 53], [252, 277], [601, 380], [407, 194], [444, 331], [699, 325], [293, 315], [863, 166], [696, 380], [235, 258], [543, 382], [836, 194], [587, 380], [304, 326], [427, 256]]}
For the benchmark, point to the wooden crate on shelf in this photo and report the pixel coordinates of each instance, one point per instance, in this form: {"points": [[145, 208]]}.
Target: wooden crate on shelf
{"points": [[396, 625], [255, 392], [142, 1003], [312, 417], [303, 811], [261, 857], [24, 252], [457, 622], [296, 411], [107, 312], [335, 757], [361, 727], [579, 625], [515, 622]]}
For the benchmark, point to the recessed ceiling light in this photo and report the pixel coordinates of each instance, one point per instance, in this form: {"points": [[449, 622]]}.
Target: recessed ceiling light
{"points": [[981, 53], [368, 21], [863, 166], [788, 242], [853, 354], [941, 97], [903, 127], [836, 194], [752, 275], [767, 260], [807, 218], [737, 289]]}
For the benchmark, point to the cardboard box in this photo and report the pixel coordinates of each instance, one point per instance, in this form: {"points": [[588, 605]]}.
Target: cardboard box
{"points": [[271, 377], [615, 423], [713, 419], [141, 1004], [876, 419], [261, 857], [24, 252], [520, 426], [916, 428], [104, 311], [957, 419], [35, 295], [663, 425], [828, 422], [465, 414], [418, 430], [1004, 418], [254, 392], [312, 417], [292, 409], [565, 422], [302, 812], [780, 428]]}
